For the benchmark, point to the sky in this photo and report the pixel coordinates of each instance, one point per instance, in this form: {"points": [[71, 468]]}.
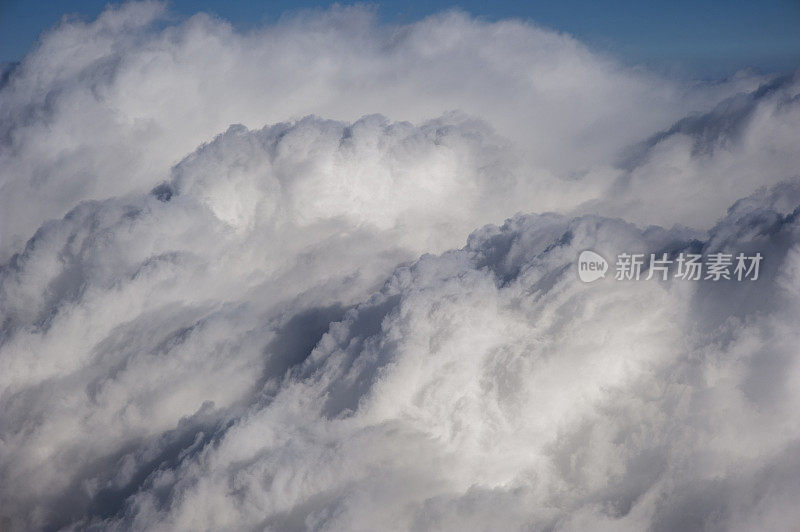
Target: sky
{"points": [[704, 37]]}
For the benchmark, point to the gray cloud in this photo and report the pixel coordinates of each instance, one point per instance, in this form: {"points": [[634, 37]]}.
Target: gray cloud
{"points": [[207, 326]]}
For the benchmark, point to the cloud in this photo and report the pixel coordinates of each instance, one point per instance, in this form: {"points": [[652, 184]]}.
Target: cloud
{"points": [[201, 280], [707, 161], [487, 387], [263, 281], [106, 108]]}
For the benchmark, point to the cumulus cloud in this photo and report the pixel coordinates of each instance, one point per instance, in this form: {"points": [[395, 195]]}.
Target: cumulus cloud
{"points": [[247, 281], [705, 162], [487, 387], [106, 108]]}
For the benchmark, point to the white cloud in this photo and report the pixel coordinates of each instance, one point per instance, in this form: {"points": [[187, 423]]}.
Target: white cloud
{"points": [[197, 330], [489, 388], [105, 108]]}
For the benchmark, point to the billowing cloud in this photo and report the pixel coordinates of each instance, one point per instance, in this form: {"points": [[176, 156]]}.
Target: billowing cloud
{"points": [[106, 108], [263, 281]]}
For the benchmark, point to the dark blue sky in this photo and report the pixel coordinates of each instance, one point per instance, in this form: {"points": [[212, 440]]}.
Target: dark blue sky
{"points": [[700, 37]]}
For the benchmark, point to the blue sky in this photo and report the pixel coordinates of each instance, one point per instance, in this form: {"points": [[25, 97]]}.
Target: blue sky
{"points": [[701, 37]]}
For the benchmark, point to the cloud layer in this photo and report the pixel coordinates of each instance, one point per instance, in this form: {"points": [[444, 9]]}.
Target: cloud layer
{"points": [[235, 292]]}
